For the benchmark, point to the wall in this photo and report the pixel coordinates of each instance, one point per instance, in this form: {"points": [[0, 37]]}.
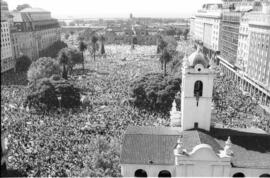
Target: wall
{"points": [[128, 170], [249, 172]]}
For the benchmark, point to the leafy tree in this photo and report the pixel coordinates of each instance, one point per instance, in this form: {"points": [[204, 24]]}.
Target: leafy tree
{"points": [[165, 58], [72, 33], [154, 91], [23, 6], [82, 48], [42, 96], [161, 45], [67, 36], [22, 63], [70, 95], [94, 40], [186, 33], [102, 50], [44, 67], [52, 51], [179, 32]]}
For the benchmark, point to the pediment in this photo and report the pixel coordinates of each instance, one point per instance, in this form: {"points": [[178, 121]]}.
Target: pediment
{"points": [[203, 152]]}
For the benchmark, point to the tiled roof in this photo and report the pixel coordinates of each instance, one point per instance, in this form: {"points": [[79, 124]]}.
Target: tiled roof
{"points": [[251, 149], [151, 145]]}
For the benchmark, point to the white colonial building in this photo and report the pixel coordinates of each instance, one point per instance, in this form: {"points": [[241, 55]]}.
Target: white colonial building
{"points": [[193, 148]]}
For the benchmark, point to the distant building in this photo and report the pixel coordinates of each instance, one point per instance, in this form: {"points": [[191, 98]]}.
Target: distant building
{"points": [[258, 68], [243, 43], [192, 28], [195, 149], [230, 35], [7, 60], [207, 27], [35, 30]]}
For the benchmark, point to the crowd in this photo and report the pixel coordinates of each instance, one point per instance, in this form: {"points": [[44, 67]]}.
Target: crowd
{"points": [[64, 142]]}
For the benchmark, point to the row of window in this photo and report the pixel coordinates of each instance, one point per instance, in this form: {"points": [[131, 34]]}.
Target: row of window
{"points": [[143, 173]]}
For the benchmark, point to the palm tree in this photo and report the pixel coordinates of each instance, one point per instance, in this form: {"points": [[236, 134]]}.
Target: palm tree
{"points": [[94, 45], [102, 50], [64, 60], [160, 48], [165, 58], [82, 48], [133, 42]]}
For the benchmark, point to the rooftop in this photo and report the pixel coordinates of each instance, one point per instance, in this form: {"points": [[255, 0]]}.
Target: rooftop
{"points": [[33, 10], [144, 144]]}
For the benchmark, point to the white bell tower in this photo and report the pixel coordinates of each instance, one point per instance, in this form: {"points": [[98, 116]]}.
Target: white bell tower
{"points": [[197, 88]]}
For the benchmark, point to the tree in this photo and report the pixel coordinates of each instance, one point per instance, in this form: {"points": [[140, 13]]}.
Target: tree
{"points": [[52, 51], [94, 48], [154, 91], [22, 63], [82, 48], [72, 33], [165, 58], [134, 41], [23, 6], [44, 67], [64, 60], [102, 50], [42, 96], [67, 36], [186, 33], [179, 32]]}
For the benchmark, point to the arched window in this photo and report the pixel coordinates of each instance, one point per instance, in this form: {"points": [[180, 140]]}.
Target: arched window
{"points": [[239, 174], [164, 173], [198, 88], [265, 175], [140, 173]]}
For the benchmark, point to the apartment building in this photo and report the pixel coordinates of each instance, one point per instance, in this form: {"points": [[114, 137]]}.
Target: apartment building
{"points": [[258, 67], [207, 27], [7, 60], [35, 31], [243, 43], [192, 27]]}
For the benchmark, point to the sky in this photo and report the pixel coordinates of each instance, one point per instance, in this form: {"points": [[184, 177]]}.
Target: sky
{"points": [[115, 8]]}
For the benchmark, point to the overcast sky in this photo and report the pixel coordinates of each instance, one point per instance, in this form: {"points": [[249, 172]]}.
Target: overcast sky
{"points": [[115, 8]]}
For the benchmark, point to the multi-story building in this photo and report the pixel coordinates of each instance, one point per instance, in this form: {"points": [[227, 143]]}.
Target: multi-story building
{"points": [[243, 44], [7, 60], [192, 28], [229, 35], [259, 52], [207, 27], [35, 31]]}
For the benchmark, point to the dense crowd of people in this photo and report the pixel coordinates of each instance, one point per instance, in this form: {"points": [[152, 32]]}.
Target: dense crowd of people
{"points": [[64, 142]]}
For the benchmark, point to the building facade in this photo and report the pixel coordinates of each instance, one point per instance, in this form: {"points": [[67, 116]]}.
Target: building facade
{"points": [[229, 35], [207, 27], [35, 30], [7, 60], [259, 59], [192, 28], [243, 44]]}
